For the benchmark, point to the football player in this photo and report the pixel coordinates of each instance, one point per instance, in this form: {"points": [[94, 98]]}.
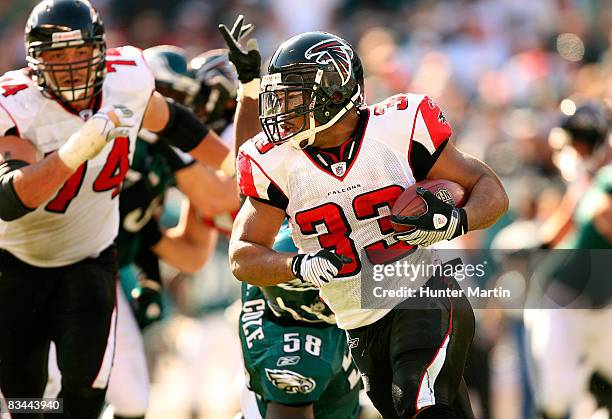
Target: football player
{"points": [[141, 242], [585, 133], [296, 360], [568, 345], [215, 102], [68, 126], [334, 167]]}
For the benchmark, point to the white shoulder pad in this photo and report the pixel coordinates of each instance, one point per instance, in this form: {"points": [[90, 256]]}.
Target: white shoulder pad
{"points": [[412, 125], [392, 120], [127, 70], [20, 101]]}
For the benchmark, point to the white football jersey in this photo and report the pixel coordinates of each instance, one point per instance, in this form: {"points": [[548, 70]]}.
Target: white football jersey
{"points": [[81, 219], [340, 199]]}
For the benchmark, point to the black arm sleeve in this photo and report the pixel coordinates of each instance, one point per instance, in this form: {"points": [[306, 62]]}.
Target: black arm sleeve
{"points": [[184, 130], [277, 198], [421, 161], [11, 206]]}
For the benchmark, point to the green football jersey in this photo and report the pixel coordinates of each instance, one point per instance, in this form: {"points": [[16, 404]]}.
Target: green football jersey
{"points": [[587, 236], [583, 272], [293, 363], [142, 196]]}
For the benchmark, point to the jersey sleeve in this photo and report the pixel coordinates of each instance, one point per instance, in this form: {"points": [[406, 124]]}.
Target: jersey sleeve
{"points": [[603, 179], [128, 71], [6, 122], [430, 135], [255, 183]]}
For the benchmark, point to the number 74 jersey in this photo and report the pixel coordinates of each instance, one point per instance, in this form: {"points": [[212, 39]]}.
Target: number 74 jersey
{"points": [[82, 217], [340, 199]]}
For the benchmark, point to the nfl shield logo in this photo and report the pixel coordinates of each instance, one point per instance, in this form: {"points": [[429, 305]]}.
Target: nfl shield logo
{"points": [[339, 168]]}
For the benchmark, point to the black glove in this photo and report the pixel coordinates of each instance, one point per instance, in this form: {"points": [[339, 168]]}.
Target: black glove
{"points": [[247, 63], [442, 221], [147, 302], [317, 268]]}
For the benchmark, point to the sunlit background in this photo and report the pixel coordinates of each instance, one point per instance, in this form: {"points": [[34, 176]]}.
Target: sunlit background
{"points": [[501, 69]]}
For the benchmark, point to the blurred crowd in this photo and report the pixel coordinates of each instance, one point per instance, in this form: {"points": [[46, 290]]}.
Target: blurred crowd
{"points": [[503, 71], [499, 68]]}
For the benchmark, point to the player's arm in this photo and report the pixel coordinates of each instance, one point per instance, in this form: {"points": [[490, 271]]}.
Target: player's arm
{"points": [[246, 124], [560, 223], [182, 128], [282, 411], [189, 245], [252, 259], [248, 66], [602, 218], [26, 183], [432, 155], [487, 198], [210, 191], [250, 251]]}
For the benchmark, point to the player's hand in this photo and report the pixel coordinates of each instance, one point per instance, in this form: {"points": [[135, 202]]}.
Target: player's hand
{"points": [[317, 268], [118, 120], [247, 62], [442, 221], [147, 302], [106, 125]]}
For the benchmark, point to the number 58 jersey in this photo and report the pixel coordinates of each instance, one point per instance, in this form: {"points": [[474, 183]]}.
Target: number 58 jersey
{"points": [[340, 199], [82, 218]]}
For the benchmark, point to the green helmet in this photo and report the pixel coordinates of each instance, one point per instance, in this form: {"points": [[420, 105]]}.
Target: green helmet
{"points": [[173, 78]]}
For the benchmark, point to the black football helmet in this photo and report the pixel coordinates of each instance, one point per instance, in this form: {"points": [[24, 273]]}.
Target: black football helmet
{"points": [[216, 102], [58, 24], [170, 69], [588, 125], [313, 80]]}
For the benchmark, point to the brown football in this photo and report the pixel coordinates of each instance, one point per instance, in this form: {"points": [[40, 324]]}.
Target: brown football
{"points": [[409, 203]]}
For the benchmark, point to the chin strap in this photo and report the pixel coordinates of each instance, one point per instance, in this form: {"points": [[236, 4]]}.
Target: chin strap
{"points": [[309, 135]]}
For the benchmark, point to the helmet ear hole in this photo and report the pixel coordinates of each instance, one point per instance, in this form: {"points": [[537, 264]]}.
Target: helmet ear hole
{"points": [[336, 97]]}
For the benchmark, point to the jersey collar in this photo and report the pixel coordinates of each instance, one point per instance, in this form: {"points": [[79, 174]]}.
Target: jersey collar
{"points": [[338, 161]]}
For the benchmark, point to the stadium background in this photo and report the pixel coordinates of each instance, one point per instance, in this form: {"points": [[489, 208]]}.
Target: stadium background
{"points": [[501, 70]]}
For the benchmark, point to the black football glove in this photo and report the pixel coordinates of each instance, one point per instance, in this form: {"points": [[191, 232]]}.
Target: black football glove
{"points": [[442, 221], [317, 268], [147, 302], [247, 63]]}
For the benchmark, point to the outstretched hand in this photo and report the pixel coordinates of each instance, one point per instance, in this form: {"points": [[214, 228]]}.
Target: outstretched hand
{"points": [[247, 62]]}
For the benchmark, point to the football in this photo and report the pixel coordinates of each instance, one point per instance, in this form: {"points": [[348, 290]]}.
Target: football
{"points": [[411, 204]]}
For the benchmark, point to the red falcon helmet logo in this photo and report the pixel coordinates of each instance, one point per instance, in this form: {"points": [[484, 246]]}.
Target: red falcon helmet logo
{"points": [[333, 51]]}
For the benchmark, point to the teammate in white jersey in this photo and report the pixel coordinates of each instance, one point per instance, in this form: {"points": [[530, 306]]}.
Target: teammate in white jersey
{"points": [[334, 168], [68, 126]]}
